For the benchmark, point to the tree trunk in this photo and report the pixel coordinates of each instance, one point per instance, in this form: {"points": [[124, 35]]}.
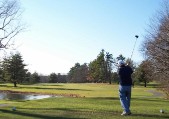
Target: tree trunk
{"points": [[109, 80], [145, 83], [15, 84], [109, 77], [133, 84]]}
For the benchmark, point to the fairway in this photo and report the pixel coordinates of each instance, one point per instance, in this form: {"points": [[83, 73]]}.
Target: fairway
{"points": [[83, 101]]}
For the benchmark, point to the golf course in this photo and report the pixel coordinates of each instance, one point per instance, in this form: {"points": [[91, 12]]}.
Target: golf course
{"points": [[83, 101]]}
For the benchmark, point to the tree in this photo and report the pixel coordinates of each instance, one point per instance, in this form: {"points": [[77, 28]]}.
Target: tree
{"points": [[100, 68], [14, 69], [115, 61], [120, 57], [62, 78], [97, 68], [94, 71], [109, 61], [82, 73], [1, 71], [35, 78], [130, 63], [72, 73], [143, 72], [78, 73], [10, 23], [156, 46], [115, 77], [53, 78], [27, 78]]}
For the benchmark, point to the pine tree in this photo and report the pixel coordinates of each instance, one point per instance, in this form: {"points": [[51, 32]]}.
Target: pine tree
{"points": [[14, 69], [53, 78], [100, 68]]}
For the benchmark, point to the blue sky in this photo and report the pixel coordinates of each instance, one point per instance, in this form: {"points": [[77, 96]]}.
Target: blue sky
{"points": [[61, 33]]}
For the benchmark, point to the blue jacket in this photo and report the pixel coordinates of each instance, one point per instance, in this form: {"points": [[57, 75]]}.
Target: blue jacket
{"points": [[124, 73]]}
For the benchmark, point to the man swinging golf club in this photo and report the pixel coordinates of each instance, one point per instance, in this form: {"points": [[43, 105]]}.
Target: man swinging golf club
{"points": [[125, 84]]}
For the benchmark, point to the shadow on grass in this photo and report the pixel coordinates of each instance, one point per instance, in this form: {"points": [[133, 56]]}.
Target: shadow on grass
{"points": [[35, 115], [58, 88], [51, 85], [28, 84], [105, 98], [151, 85], [134, 99], [97, 113], [61, 109], [152, 116], [4, 85], [149, 99]]}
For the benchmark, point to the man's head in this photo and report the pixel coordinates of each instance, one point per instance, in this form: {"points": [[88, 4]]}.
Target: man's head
{"points": [[121, 62]]}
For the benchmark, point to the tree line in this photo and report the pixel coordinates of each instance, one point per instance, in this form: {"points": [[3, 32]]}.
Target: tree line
{"points": [[98, 70], [13, 70], [103, 69]]}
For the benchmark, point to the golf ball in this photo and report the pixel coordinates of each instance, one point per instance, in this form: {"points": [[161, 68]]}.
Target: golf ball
{"points": [[161, 110]]}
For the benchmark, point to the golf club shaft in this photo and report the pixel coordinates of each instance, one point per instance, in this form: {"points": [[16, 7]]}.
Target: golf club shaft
{"points": [[134, 46]]}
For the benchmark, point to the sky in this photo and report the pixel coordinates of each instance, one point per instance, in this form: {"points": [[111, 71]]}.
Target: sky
{"points": [[61, 33]]}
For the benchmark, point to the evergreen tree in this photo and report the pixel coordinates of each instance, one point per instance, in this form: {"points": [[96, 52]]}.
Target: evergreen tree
{"points": [[14, 69], [78, 73], [53, 78], [115, 61], [121, 57], [100, 69], [93, 71], [27, 78], [109, 61], [35, 78], [97, 69]]}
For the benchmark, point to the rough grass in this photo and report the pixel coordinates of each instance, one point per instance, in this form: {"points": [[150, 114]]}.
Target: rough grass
{"points": [[96, 101]]}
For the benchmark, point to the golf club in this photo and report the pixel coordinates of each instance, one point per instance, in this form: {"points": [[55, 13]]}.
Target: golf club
{"points": [[134, 46]]}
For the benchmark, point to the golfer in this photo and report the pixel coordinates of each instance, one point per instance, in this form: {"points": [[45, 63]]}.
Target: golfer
{"points": [[125, 84]]}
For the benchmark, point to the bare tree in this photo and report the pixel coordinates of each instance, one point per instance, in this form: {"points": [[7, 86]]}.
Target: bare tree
{"points": [[10, 22], [156, 46]]}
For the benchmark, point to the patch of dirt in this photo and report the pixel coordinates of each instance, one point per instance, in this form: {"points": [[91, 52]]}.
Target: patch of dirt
{"points": [[156, 93], [4, 105]]}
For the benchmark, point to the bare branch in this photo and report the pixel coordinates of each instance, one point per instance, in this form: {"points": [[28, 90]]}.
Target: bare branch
{"points": [[10, 24], [156, 45]]}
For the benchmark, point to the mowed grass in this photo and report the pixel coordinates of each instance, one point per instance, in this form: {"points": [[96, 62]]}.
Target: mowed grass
{"points": [[94, 101]]}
